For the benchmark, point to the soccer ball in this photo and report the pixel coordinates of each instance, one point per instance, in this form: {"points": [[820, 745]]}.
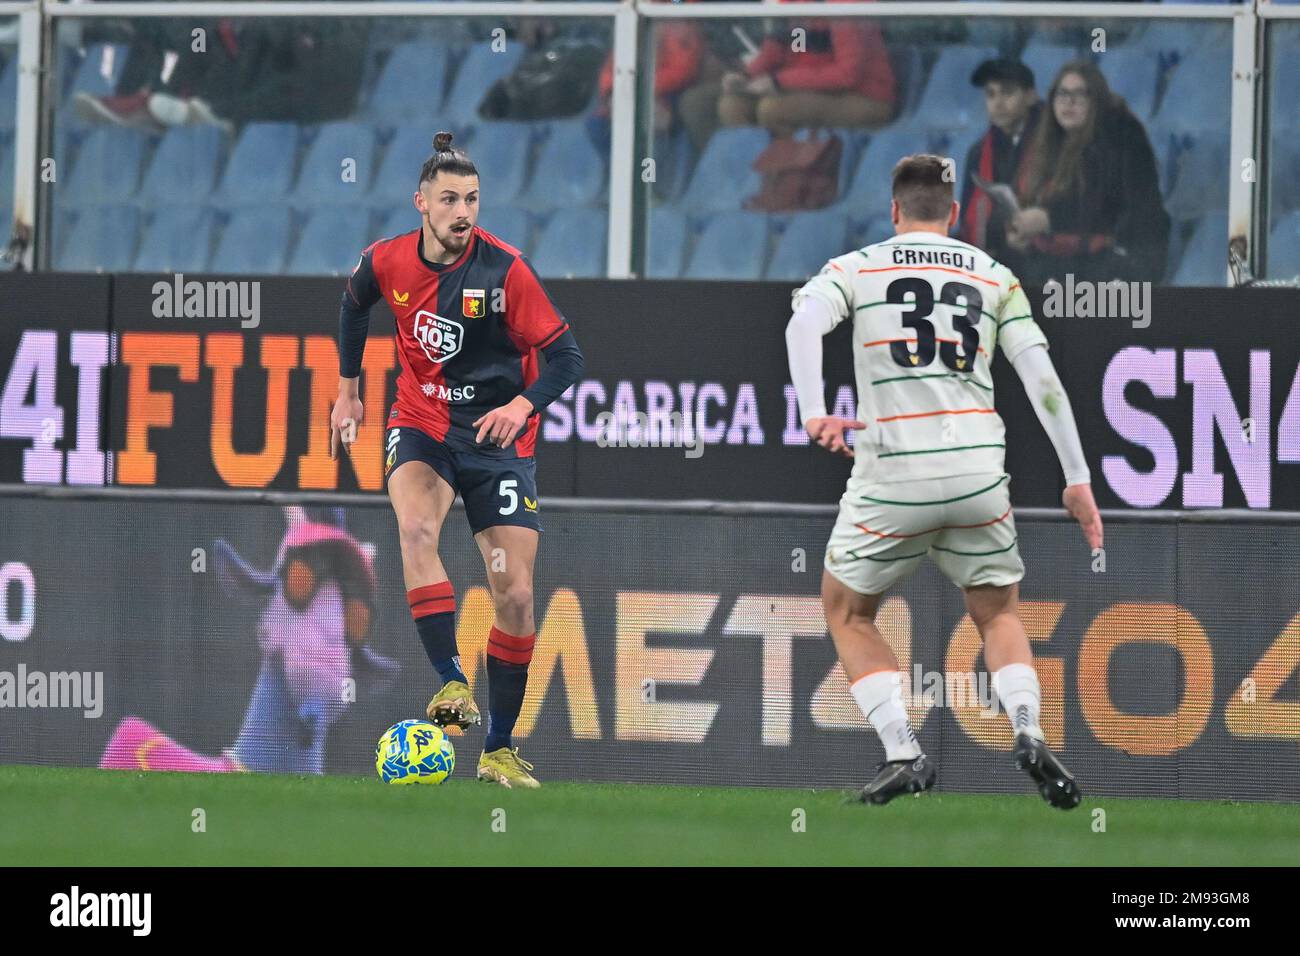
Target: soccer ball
{"points": [[414, 751]]}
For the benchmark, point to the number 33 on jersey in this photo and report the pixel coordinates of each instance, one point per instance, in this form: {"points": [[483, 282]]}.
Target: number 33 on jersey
{"points": [[927, 313]]}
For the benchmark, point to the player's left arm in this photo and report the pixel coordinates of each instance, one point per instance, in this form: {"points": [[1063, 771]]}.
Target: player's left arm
{"points": [[532, 317], [1025, 347]]}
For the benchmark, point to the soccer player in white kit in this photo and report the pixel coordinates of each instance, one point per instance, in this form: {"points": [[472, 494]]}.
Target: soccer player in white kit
{"points": [[928, 459]]}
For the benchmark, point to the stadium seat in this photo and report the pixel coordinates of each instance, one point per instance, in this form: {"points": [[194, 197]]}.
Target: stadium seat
{"points": [[107, 168], [508, 224], [411, 86], [1200, 180], [909, 74], [1205, 259], [98, 239], [395, 221], [725, 176], [98, 71], [807, 242], [261, 166], [8, 94], [1135, 75], [1198, 96], [177, 239], [1046, 60], [666, 244], [478, 70], [868, 194], [1284, 247], [733, 245], [184, 167], [568, 172], [330, 242], [949, 102], [501, 152], [573, 244], [1284, 174], [321, 182], [400, 167], [255, 240]]}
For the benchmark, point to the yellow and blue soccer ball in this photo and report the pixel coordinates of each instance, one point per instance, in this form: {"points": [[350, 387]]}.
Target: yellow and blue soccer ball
{"points": [[414, 751]]}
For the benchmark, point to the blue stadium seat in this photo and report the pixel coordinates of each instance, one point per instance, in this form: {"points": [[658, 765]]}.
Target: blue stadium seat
{"points": [[1046, 60], [573, 244], [1284, 175], [732, 246], [399, 170], [101, 239], [808, 241], [501, 152], [98, 71], [1199, 95], [330, 242], [725, 176], [1284, 247], [177, 239], [869, 193], [949, 102], [478, 70], [875, 229], [184, 167], [411, 85], [9, 94], [569, 170], [321, 179], [396, 220], [665, 252], [255, 240], [508, 224], [261, 166], [1134, 74], [107, 167], [909, 74], [1205, 259], [1200, 180]]}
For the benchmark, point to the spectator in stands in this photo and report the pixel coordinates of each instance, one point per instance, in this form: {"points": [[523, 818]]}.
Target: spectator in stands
{"points": [[997, 157], [1089, 194], [840, 75], [269, 69], [679, 47]]}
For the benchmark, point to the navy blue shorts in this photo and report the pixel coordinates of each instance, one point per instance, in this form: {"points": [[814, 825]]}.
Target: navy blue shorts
{"points": [[496, 491]]}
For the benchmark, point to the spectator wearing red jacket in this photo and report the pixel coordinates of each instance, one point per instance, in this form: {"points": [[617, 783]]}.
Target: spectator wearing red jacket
{"points": [[679, 48], [839, 75]]}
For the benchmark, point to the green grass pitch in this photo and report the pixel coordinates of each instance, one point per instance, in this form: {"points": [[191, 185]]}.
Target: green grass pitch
{"points": [[84, 817]]}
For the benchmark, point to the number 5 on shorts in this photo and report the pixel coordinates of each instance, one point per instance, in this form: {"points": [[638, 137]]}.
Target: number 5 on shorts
{"points": [[507, 490]]}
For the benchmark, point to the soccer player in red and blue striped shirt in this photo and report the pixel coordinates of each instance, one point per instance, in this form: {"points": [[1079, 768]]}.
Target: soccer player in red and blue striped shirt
{"points": [[471, 317]]}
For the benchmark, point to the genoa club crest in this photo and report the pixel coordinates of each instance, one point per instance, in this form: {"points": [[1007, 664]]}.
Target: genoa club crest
{"points": [[473, 303]]}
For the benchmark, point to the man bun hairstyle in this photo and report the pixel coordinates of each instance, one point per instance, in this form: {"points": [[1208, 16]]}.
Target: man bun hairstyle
{"points": [[446, 158], [922, 187]]}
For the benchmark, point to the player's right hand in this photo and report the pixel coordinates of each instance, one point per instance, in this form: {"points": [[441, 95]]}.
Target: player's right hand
{"points": [[345, 419], [829, 433], [1079, 502]]}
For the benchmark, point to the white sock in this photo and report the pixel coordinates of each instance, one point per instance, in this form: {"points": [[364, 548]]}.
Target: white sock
{"points": [[1017, 688], [880, 696]]}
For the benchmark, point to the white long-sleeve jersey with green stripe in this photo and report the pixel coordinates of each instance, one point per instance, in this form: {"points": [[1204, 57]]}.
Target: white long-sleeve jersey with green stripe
{"points": [[927, 313]]}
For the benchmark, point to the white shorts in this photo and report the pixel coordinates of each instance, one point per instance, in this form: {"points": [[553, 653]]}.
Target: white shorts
{"points": [[884, 530]]}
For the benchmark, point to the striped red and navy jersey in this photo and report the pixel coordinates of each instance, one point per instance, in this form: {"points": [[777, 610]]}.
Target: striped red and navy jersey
{"points": [[468, 333]]}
